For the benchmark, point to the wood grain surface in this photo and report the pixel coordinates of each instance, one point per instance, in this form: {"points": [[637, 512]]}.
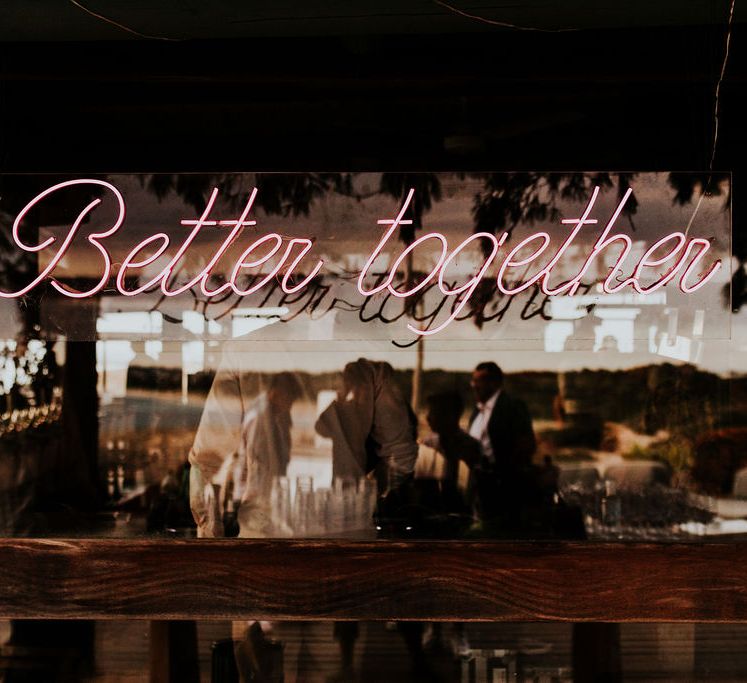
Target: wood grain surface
{"points": [[305, 580]]}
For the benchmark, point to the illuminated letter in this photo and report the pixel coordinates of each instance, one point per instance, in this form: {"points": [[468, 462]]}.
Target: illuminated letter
{"points": [[468, 286], [238, 227], [393, 226], [92, 239], [579, 222], [403, 256], [544, 274], [130, 262], [243, 263], [648, 261], [307, 245], [705, 246], [510, 263], [602, 243], [165, 275]]}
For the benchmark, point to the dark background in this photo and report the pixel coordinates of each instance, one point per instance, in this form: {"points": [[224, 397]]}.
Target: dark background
{"points": [[383, 86], [398, 85], [407, 85]]}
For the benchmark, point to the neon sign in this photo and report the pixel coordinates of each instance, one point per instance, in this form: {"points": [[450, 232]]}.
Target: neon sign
{"points": [[673, 257]]}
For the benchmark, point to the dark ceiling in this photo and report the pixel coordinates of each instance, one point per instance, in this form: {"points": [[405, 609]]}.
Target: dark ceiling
{"points": [[85, 20], [368, 85]]}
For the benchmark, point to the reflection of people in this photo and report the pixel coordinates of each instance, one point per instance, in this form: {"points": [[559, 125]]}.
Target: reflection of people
{"points": [[372, 429], [503, 426], [453, 451], [260, 430], [500, 422], [345, 421], [240, 445], [139, 377], [370, 423]]}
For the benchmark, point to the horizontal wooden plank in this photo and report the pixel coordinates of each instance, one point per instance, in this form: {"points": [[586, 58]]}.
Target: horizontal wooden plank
{"points": [[289, 580]]}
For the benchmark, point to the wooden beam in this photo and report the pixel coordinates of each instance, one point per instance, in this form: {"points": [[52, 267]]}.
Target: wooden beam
{"points": [[503, 581]]}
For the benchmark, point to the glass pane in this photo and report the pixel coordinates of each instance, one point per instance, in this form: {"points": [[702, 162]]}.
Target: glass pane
{"points": [[372, 355]]}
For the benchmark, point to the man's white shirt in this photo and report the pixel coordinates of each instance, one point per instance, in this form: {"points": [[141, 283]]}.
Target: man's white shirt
{"points": [[479, 427]]}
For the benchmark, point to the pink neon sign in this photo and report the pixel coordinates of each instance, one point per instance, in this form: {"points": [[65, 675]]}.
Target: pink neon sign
{"points": [[673, 257]]}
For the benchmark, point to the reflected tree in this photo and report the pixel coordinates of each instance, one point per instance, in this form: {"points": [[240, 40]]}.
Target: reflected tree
{"points": [[427, 188], [282, 194], [511, 199]]}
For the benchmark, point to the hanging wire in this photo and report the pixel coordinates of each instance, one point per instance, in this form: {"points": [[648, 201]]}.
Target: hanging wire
{"points": [[120, 26], [716, 103], [495, 22], [716, 111]]}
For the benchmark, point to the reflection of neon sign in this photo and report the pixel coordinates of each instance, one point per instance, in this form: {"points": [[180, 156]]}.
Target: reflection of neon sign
{"points": [[673, 256]]}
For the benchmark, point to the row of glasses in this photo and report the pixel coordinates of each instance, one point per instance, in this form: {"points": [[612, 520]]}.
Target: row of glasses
{"points": [[654, 512], [23, 419], [308, 511]]}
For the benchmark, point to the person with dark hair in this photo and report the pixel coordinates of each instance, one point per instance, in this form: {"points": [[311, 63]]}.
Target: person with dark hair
{"points": [[503, 426], [492, 369], [453, 453], [371, 426]]}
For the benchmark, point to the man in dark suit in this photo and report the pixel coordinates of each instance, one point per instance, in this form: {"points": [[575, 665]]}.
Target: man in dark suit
{"points": [[503, 426]]}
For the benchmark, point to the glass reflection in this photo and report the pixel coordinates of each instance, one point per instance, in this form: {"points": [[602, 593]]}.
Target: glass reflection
{"points": [[318, 414]]}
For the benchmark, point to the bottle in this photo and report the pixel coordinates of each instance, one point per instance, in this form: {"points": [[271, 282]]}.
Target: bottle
{"points": [[230, 518], [321, 510], [120, 479], [302, 505], [111, 485], [611, 505], [336, 513], [122, 463], [280, 502], [349, 487]]}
